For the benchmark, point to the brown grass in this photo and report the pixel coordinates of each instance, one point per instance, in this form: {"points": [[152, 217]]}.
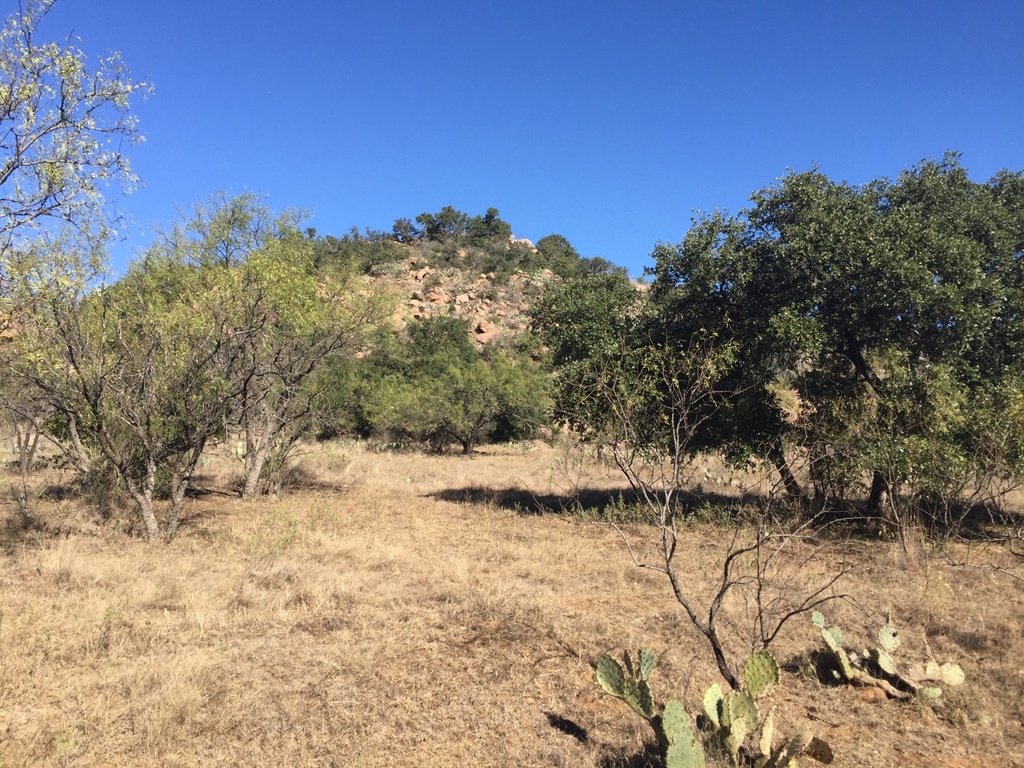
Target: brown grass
{"points": [[405, 609]]}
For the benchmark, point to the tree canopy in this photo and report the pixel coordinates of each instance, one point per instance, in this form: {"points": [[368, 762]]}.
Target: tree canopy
{"points": [[63, 129], [888, 315]]}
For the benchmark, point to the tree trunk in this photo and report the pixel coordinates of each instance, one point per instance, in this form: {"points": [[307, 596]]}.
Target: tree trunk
{"points": [[27, 440], [879, 494], [258, 444], [777, 454], [254, 463], [179, 487], [81, 454], [143, 497]]}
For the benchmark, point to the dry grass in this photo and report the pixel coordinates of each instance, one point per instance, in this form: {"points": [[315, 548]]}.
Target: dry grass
{"points": [[403, 609]]}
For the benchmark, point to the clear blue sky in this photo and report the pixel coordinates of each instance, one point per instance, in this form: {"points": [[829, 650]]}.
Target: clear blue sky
{"points": [[607, 122]]}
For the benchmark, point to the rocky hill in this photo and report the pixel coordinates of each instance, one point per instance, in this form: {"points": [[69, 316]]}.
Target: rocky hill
{"points": [[494, 305]]}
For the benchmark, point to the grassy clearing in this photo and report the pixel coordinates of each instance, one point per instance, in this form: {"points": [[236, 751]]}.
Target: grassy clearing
{"points": [[407, 609]]}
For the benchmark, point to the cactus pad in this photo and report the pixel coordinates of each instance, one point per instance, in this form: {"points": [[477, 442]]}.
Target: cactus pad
{"points": [[834, 640], [684, 749], [713, 703], [787, 755], [818, 619], [951, 674], [760, 673], [647, 662], [622, 684], [764, 743], [833, 637], [645, 700], [739, 707], [734, 739], [889, 638], [883, 661], [610, 676]]}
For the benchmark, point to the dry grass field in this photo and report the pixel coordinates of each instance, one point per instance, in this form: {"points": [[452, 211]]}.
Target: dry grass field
{"points": [[402, 609]]}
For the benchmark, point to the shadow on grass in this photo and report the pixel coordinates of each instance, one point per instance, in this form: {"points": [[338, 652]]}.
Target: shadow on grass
{"points": [[646, 758], [601, 501], [567, 726]]}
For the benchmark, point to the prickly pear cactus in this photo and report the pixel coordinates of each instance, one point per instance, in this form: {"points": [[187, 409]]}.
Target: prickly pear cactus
{"points": [[785, 756], [683, 747], [647, 662], [629, 684], [889, 636], [760, 674], [713, 704], [925, 677], [738, 708], [731, 717], [610, 676], [876, 666], [767, 737], [833, 637]]}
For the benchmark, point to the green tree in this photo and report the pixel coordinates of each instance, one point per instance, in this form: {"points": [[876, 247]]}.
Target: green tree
{"points": [[284, 315], [404, 231], [437, 389], [445, 224], [589, 325], [490, 228], [888, 308], [559, 255], [133, 372], [63, 129]]}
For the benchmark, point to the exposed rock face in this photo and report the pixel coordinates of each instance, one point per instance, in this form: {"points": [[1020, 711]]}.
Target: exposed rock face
{"points": [[484, 331], [437, 296], [522, 241], [492, 308]]}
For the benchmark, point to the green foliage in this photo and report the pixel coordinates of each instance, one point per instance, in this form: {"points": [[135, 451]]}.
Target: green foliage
{"points": [[225, 322], [133, 372], [683, 748], [483, 244], [630, 683], [623, 377], [890, 310], [760, 674], [589, 325], [558, 255], [734, 716], [438, 389], [732, 721], [359, 253], [63, 126]]}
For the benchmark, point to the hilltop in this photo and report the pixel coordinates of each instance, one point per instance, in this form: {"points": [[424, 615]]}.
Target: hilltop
{"points": [[455, 265]]}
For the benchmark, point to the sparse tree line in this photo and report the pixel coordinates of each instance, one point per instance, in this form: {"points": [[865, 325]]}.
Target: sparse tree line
{"points": [[233, 327], [865, 341], [453, 238]]}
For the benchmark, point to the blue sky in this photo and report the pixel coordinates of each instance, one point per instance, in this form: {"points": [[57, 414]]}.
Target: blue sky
{"points": [[610, 123]]}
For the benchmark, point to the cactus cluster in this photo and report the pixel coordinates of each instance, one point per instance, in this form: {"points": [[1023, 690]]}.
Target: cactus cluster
{"points": [[877, 666], [730, 719], [629, 682], [733, 718]]}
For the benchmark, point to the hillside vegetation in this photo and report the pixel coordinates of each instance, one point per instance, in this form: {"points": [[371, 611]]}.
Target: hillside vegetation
{"points": [[273, 497]]}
